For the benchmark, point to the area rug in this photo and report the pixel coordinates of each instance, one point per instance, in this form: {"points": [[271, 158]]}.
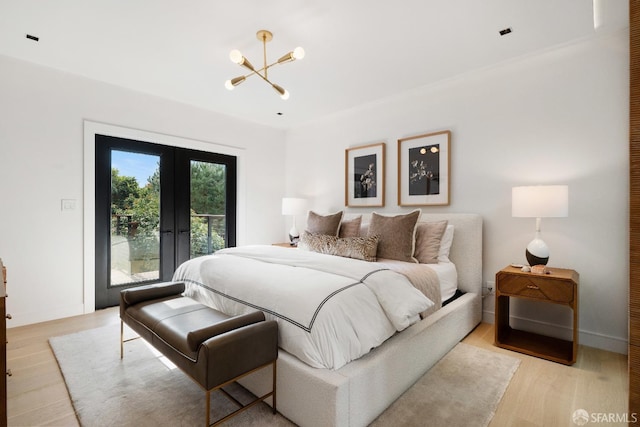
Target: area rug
{"points": [[463, 388]]}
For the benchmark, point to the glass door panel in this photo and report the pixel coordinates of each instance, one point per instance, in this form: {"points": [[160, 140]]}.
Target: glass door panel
{"points": [[135, 218], [208, 192]]}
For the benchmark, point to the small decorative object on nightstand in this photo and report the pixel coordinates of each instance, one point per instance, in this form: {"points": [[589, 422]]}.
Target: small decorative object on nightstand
{"points": [[556, 286]]}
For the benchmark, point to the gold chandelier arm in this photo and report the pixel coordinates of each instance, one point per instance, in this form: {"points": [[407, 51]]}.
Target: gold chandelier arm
{"points": [[283, 93], [264, 77], [258, 72], [264, 54]]}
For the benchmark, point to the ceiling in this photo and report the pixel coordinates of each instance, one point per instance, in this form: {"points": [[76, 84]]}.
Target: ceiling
{"points": [[357, 51]]}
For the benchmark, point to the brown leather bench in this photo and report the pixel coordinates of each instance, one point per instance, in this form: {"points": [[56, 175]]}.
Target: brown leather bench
{"points": [[212, 348]]}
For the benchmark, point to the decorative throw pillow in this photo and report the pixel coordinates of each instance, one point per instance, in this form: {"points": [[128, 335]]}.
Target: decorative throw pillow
{"points": [[363, 248], [321, 243], [396, 235], [350, 227], [445, 244], [364, 229], [324, 224], [428, 237]]}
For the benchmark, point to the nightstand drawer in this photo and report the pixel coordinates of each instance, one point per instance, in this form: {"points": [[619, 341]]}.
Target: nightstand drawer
{"points": [[537, 287]]}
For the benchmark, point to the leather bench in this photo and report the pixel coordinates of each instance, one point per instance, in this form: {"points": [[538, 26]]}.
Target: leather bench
{"points": [[212, 348]]}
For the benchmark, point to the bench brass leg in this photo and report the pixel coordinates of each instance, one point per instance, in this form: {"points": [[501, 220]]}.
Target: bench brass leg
{"points": [[274, 386], [208, 406], [121, 339]]}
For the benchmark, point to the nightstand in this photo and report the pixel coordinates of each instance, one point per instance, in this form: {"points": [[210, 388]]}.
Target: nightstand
{"points": [[284, 245], [560, 286]]}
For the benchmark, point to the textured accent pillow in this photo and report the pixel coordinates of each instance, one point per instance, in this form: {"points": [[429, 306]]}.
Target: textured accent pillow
{"points": [[324, 224], [363, 248], [321, 243], [428, 237], [350, 227], [396, 235], [445, 244]]}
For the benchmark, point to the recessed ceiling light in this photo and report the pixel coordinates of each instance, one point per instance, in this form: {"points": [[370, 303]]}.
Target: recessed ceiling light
{"points": [[280, 114], [505, 31]]}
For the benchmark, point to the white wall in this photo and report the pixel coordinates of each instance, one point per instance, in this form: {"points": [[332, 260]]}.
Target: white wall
{"points": [[41, 162], [557, 117]]}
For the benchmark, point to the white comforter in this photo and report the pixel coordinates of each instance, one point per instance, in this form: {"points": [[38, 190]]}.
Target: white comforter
{"points": [[330, 310]]}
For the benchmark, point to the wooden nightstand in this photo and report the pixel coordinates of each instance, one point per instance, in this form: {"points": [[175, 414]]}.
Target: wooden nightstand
{"points": [[560, 286], [284, 245]]}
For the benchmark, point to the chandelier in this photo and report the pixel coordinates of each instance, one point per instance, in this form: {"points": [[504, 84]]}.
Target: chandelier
{"points": [[264, 36]]}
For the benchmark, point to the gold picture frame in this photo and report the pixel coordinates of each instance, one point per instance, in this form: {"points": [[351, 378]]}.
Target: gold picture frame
{"points": [[424, 169], [364, 176]]}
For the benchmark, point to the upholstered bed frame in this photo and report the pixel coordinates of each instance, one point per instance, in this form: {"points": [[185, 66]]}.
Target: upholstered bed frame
{"points": [[357, 393]]}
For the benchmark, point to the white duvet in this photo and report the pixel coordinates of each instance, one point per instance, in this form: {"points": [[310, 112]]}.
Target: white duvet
{"points": [[330, 310]]}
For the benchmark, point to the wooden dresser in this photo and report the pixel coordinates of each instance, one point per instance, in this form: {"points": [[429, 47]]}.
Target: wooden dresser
{"points": [[3, 344], [634, 209]]}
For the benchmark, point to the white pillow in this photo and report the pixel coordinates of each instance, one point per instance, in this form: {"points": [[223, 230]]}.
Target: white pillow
{"points": [[445, 244]]}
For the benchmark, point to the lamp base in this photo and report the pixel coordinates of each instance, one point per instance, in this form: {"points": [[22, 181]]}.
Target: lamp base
{"points": [[534, 260], [537, 252]]}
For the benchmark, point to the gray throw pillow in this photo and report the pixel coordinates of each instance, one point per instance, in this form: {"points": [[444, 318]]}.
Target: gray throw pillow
{"points": [[396, 235], [428, 238], [324, 224]]}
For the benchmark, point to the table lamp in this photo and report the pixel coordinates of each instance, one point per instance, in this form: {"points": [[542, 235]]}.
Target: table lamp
{"points": [[539, 201], [293, 206]]}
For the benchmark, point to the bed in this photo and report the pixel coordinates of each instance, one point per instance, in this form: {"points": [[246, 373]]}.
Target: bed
{"points": [[349, 387]]}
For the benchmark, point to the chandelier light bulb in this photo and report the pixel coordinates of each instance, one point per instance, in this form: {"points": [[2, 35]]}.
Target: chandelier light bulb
{"points": [[230, 84], [285, 95], [236, 56], [298, 53]]}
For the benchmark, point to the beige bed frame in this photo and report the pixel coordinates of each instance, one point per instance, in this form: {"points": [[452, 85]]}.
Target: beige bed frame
{"points": [[357, 393]]}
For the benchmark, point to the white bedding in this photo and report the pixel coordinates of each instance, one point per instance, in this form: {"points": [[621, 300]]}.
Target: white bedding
{"points": [[330, 310], [448, 276]]}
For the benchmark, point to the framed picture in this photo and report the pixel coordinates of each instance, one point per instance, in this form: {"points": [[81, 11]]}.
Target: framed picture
{"points": [[423, 169], [364, 176]]}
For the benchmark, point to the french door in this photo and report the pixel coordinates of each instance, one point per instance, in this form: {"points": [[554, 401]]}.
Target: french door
{"points": [[156, 207]]}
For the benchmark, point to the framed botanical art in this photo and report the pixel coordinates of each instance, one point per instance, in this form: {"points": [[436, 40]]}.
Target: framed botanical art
{"points": [[423, 169], [364, 176]]}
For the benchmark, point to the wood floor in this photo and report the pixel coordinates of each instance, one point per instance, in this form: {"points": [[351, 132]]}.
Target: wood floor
{"points": [[541, 393]]}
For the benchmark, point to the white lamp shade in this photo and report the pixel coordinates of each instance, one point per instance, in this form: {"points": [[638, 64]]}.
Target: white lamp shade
{"points": [[293, 206], [540, 201]]}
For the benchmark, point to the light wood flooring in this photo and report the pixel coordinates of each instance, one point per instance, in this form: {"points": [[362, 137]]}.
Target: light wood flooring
{"points": [[541, 393]]}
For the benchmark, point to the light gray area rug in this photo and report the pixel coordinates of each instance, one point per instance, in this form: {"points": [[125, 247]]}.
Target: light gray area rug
{"points": [[464, 388]]}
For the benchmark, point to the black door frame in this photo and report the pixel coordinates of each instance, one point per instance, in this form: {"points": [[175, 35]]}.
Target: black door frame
{"points": [[175, 208]]}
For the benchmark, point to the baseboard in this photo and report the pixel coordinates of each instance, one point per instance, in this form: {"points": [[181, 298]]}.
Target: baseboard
{"points": [[586, 338]]}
